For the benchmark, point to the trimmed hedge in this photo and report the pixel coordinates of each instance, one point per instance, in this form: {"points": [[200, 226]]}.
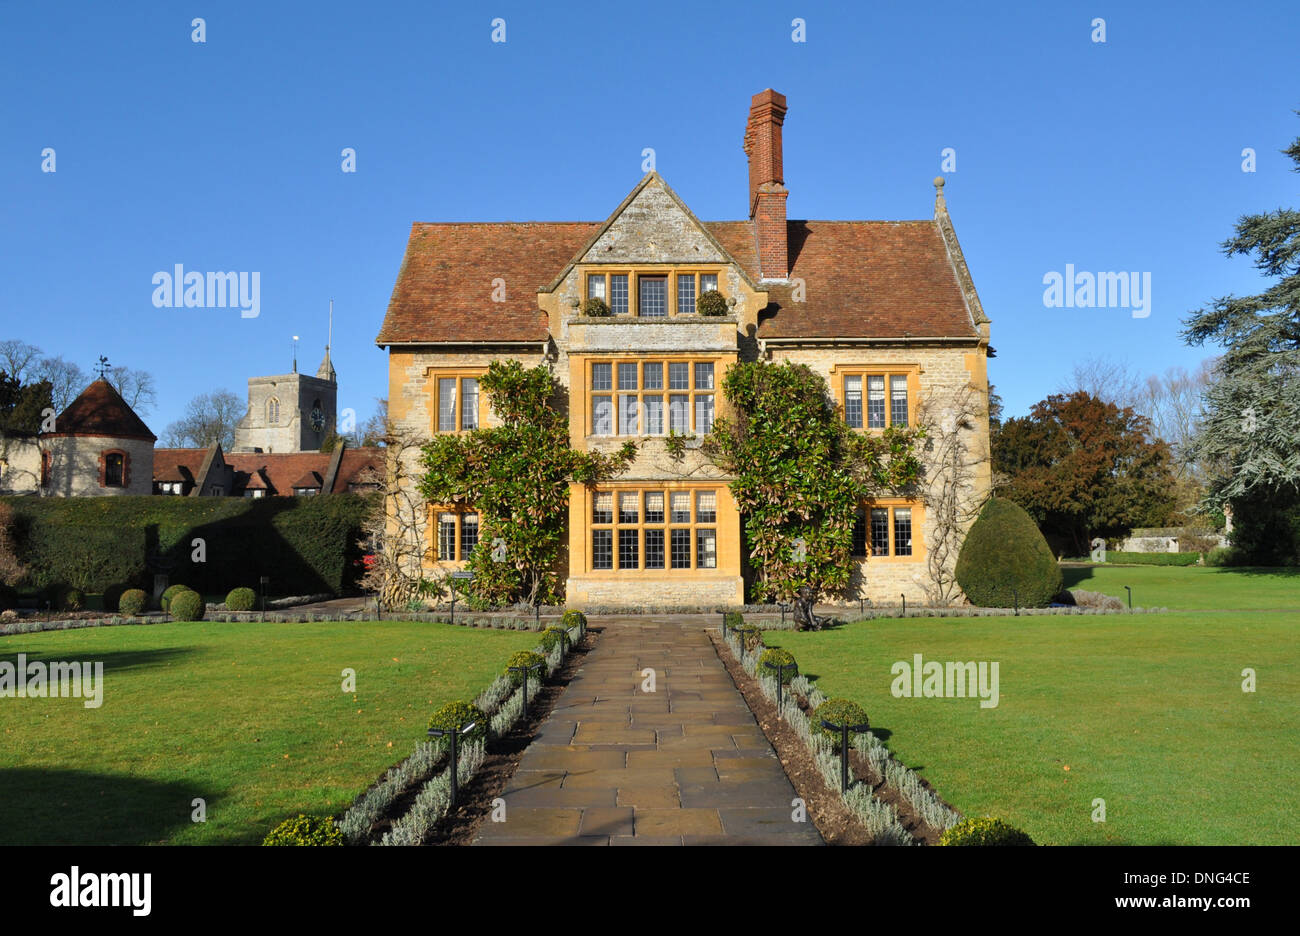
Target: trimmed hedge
{"points": [[1005, 560], [187, 606], [523, 658], [307, 545], [551, 637], [165, 601], [985, 831], [305, 830], [241, 599], [456, 715], [133, 601], [837, 712], [1157, 559], [777, 657]]}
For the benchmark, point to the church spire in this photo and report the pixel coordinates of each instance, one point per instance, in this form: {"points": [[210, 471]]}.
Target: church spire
{"points": [[326, 370]]}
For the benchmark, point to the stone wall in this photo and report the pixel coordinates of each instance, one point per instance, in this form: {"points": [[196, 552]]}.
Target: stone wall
{"points": [[20, 464], [75, 465]]}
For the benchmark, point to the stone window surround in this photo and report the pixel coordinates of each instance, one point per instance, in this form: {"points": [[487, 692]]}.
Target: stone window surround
{"points": [[911, 371], [431, 377], [671, 271], [588, 394], [918, 525], [460, 511], [616, 525]]}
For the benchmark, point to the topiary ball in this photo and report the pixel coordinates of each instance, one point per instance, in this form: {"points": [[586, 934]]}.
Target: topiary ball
{"points": [[454, 716], [187, 606], [165, 602], [595, 306], [777, 656], [551, 638], [241, 599], [305, 830], [1005, 560], [574, 619], [711, 302], [71, 599], [837, 712], [984, 831], [524, 658], [133, 601]]}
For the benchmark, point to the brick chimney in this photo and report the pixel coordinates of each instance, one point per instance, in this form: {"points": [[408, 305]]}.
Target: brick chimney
{"points": [[767, 191]]}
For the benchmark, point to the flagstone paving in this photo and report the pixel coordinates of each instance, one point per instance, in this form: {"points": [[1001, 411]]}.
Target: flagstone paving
{"points": [[616, 765]]}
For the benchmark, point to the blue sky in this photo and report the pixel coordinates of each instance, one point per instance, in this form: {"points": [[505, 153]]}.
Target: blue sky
{"points": [[226, 155]]}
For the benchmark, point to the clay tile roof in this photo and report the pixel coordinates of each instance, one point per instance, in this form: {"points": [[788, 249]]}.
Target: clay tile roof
{"points": [[360, 466], [177, 464], [101, 411], [308, 480], [255, 481], [862, 279], [444, 288]]}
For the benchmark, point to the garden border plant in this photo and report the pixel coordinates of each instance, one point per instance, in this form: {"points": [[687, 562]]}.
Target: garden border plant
{"points": [[427, 769]]}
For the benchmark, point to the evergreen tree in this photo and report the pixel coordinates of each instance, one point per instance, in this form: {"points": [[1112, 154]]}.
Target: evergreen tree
{"points": [[1251, 432]]}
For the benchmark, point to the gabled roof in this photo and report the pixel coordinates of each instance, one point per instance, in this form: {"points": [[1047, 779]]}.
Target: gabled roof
{"points": [[444, 288], [174, 464], [101, 411], [861, 279]]}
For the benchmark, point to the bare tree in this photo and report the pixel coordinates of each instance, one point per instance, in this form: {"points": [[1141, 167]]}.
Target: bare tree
{"points": [[18, 359], [1173, 403], [1107, 380], [374, 430], [951, 457], [209, 417], [136, 388]]}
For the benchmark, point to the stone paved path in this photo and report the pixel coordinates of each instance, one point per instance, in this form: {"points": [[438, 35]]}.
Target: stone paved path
{"points": [[686, 764]]}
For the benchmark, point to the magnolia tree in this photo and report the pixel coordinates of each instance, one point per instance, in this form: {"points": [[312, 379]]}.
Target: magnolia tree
{"points": [[800, 476], [1249, 433], [516, 476]]}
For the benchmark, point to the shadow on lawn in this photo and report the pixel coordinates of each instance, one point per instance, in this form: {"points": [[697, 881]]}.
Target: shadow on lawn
{"points": [[73, 807], [116, 661]]}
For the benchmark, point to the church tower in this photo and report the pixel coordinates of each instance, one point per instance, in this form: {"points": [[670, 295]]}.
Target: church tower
{"points": [[290, 412]]}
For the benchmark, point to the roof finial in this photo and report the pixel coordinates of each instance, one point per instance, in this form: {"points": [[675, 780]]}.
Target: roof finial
{"points": [[102, 366], [940, 206]]}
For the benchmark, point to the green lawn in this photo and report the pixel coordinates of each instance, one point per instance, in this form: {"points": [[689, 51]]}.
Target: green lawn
{"points": [[1193, 587], [251, 717], [1147, 711]]}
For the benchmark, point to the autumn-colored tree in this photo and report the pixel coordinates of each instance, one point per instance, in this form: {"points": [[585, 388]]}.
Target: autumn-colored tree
{"points": [[800, 476], [1082, 467], [516, 476]]}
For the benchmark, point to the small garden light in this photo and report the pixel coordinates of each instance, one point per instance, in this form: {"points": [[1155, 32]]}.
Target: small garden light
{"points": [[524, 670], [455, 737], [1130, 597], [844, 730], [780, 679]]}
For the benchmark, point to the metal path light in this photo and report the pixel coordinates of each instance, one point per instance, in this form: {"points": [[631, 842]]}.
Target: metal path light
{"points": [[844, 730], [455, 738], [780, 680], [524, 670], [1130, 597]]}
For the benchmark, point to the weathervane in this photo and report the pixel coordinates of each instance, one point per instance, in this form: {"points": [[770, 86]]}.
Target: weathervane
{"points": [[103, 366]]}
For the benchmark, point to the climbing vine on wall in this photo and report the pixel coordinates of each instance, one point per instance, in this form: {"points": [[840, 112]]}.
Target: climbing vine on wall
{"points": [[516, 476], [800, 476]]}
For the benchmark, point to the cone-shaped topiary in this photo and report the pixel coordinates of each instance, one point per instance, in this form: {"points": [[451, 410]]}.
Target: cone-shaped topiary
{"points": [[1005, 560], [241, 599], [187, 606], [133, 601], [305, 830], [984, 831]]}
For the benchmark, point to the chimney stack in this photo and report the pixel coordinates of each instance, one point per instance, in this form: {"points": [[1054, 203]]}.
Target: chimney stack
{"points": [[767, 191]]}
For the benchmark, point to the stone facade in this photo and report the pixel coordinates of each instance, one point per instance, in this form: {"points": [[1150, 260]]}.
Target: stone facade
{"points": [[279, 417], [20, 464], [77, 469], [619, 532]]}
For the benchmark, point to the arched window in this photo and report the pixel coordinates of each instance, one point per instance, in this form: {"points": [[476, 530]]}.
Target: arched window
{"points": [[113, 469], [273, 412]]}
